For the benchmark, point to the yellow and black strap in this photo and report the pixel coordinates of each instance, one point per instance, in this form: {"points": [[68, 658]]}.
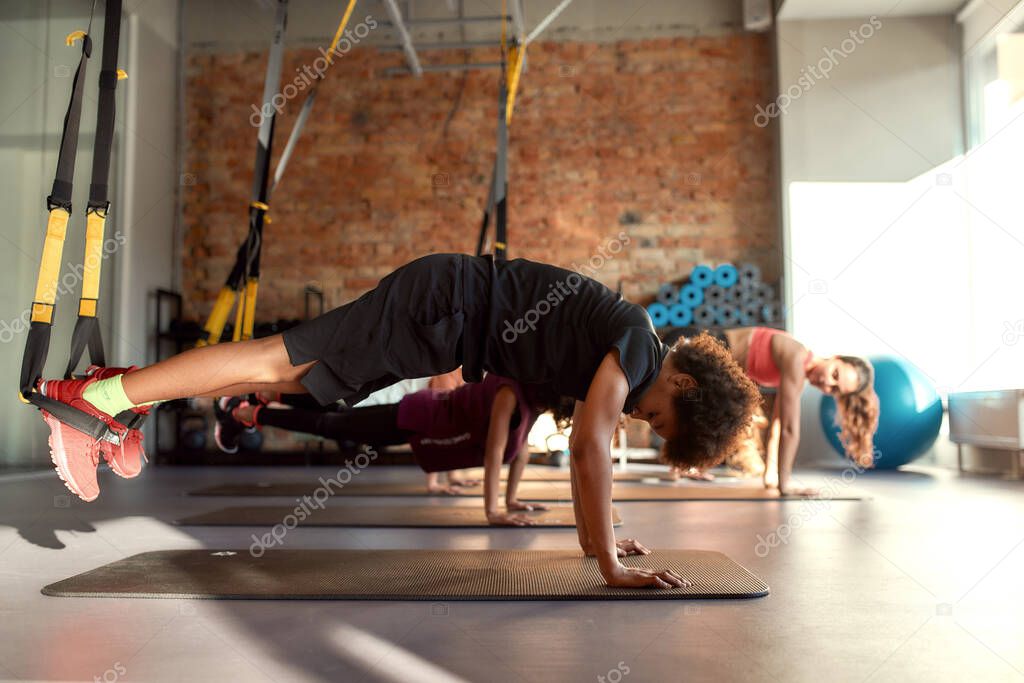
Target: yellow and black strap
{"points": [[58, 203], [87, 328]]}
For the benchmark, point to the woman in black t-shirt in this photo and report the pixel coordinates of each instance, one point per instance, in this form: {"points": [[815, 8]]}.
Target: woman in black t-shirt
{"points": [[528, 321]]}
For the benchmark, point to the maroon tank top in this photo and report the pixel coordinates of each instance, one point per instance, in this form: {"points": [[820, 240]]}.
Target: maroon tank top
{"points": [[450, 427]]}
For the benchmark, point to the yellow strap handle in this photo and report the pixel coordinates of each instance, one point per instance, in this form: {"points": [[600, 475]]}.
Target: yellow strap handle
{"points": [[236, 334], [93, 262], [265, 208], [341, 29], [518, 56], [218, 316], [73, 36], [49, 266], [249, 321]]}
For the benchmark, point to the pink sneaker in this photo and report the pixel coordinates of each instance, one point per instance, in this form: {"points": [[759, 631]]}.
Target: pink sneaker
{"points": [[125, 459], [75, 454]]}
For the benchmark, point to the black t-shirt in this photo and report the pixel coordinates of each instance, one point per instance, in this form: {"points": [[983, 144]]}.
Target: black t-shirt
{"points": [[549, 325]]}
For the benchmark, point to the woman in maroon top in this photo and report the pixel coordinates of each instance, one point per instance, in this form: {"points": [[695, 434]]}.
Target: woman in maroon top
{"points": [[475, 425]]}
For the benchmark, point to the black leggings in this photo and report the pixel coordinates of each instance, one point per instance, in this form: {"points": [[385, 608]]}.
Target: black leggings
{"points": [[373, 425]]}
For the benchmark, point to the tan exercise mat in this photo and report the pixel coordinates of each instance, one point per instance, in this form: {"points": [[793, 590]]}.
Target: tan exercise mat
{"points": [[531, 490], [398, 516], [293, 574]]}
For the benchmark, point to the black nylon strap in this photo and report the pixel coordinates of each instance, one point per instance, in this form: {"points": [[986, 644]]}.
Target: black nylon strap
{"points": [[64, 177], [247, 257], [501, 179], [258, 214], [98, 195], [86, 335], [83, 422], [37, 346]]}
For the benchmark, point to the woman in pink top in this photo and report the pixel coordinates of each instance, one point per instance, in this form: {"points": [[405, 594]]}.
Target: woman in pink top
{"points": [[773, 359]]}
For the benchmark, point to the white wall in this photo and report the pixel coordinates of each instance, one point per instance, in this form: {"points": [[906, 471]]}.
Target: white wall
{"points": [[857, 148], [152, 176]]}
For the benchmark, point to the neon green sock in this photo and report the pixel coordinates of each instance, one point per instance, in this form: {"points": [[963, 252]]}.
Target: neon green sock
{"points": [[108, 395]]}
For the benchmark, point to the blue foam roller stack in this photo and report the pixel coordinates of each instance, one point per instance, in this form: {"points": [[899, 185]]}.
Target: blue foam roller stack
{"points": [[702, 276], [659, 314], [752, 313], [668, 294], [771, 312], [714, 295], [750, 273], [704, 316], [765, 292], [680, 315], [691, 295], [727, 316], [726, 275]]}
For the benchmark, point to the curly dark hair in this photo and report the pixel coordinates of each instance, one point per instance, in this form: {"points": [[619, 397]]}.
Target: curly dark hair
{"points": [[712, 418], [544, 398], [857, 413]]}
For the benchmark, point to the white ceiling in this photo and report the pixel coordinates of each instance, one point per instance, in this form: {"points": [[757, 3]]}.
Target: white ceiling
{"points": [[840, 9]]}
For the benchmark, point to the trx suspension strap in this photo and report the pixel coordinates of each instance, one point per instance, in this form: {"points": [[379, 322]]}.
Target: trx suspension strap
{"points": [[246, 268], [261, 206], [237, 284], [58, 204], [87, 329], [307, 105], [511, 68]]}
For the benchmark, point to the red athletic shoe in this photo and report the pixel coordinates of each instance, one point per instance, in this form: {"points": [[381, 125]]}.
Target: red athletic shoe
{"points": [[124, 459], [75, 454]]}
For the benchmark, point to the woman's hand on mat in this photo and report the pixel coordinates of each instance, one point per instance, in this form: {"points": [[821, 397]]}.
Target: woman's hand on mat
{"points": [[799, 492], [506, 519], [697, 475], [519, 506], [630, 577], [630, 546]]}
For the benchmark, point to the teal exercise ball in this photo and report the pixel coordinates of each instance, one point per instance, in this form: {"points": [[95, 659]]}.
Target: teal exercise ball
{"points": [[909, 419]]}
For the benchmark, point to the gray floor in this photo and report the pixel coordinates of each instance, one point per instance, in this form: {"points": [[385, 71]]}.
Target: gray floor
{"points": [[922, 582]]}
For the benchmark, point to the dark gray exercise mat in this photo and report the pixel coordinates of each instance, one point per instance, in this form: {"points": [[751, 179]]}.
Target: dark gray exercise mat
{"points": [[531, 490], [400, 575], [377, 516]]}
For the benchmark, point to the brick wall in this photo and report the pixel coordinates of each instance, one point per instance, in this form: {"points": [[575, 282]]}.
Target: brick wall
{"points": [[654, 138]]}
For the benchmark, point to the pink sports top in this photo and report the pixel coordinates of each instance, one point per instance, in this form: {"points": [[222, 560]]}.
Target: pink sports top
{"points": [[761, 366]]}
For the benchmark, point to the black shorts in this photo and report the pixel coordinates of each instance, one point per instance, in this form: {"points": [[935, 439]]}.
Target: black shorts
{"points": [[426, 318]]}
